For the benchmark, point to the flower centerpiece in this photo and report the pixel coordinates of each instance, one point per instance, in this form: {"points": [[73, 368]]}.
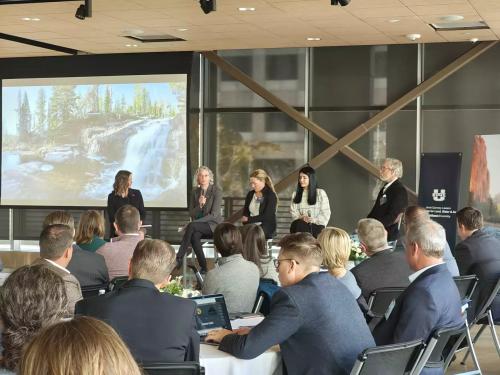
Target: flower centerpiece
{"points": [[176, 288], [357, 255]]}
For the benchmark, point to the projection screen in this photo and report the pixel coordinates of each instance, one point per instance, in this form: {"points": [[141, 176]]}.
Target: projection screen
{"points": [[64, 139]]}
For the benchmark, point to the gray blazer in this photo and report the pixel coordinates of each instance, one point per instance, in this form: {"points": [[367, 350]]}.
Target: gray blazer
{"points": [[88, 267], [210, 213]]}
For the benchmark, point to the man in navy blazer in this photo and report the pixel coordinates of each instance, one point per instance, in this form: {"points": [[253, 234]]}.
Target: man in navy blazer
{"points": [[314, 318], [392, 199], [478, 253], [432, 299], [156, 326]]}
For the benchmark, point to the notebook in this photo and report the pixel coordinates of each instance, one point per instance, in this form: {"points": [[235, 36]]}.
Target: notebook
{"points": [[211, 313]]}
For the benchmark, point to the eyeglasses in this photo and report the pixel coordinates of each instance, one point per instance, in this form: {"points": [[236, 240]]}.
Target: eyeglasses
{"points": [[384, 168], [278, 261]]}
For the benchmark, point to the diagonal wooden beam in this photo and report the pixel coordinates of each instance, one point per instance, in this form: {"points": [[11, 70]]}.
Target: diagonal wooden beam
{"points": [[288, 110], [364, 128]]}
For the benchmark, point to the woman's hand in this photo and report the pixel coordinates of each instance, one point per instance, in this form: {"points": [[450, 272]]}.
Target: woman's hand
{"points": [[202, 200], [244, 219]]}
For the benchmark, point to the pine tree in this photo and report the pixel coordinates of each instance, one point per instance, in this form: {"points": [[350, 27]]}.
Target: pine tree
{"points": [[41, 112], [24, 124]]}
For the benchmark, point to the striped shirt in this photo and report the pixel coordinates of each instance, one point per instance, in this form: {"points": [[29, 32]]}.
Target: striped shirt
{"points": [[320, 212]]}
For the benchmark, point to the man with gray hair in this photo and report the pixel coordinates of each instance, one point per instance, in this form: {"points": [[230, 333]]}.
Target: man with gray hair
{"points": [[392, 198], [155, 326], [384, 267], [432, 300], [416, 214]]}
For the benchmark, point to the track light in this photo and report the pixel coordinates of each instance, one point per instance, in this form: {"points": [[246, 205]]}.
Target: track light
{"points": [[84, 10], [341, 2], [207, 6]]}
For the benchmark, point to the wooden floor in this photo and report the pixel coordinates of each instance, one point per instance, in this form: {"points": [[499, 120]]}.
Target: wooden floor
{"points": [[486, 353]]}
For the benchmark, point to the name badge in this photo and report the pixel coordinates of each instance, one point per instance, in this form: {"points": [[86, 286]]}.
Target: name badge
{"points": [[383, 199]]}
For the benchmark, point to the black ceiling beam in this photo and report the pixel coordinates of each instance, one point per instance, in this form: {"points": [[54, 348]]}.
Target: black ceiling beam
{"points": [[36, 43]]}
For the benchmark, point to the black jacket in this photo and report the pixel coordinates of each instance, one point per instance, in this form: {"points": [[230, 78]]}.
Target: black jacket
{"points": [[388, 206], [155, 326], [88, 267], [133, 198], [267, 211]]}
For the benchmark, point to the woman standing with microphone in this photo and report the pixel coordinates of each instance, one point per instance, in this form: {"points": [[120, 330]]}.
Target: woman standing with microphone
{"points": [[121, 195], [310, 207], [205, 211]]}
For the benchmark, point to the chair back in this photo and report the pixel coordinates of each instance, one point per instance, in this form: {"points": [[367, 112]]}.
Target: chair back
{"points": [[487, 289], [381, 299], [439, 350], [164, 368], [117, 282], [94, 290], [466, 286], [265, 292], [389, 359]]}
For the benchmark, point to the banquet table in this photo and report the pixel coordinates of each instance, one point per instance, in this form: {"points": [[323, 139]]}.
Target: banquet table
{"points": [[217, 362]]}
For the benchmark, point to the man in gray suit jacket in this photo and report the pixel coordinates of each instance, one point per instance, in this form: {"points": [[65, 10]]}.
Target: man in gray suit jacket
{"points": [[88, 267], [314, 318], [384, 268], [55, 253]]}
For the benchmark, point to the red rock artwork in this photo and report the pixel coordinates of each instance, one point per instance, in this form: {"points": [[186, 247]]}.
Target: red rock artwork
{"points": [[479, 186]]}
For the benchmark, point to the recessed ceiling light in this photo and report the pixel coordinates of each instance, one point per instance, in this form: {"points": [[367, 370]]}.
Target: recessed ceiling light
{"points": [[394, 20], [182, 29], [413, 37], [35, 19], [474, 40], [452, 18], [30, 19], [131, 45], [312, 39], [246, 9]]}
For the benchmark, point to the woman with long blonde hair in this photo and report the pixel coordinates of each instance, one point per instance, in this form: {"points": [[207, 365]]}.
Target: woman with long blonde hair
{"points": [[336, 246], [121, 195], [261, 203]]}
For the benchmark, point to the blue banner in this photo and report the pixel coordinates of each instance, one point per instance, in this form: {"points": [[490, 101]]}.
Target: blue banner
{"points": [[439, 188]]}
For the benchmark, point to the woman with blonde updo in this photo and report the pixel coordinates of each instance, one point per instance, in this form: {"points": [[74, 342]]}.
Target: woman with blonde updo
{"points": [[336, 246], [261, 202]]}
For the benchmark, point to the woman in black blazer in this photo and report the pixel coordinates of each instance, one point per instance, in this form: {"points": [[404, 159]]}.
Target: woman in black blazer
{"points": [[205, 211], [261, 202], [121, 195]]}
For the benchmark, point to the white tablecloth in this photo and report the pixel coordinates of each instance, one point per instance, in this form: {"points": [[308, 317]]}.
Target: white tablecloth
{"points": [[217, 362]]}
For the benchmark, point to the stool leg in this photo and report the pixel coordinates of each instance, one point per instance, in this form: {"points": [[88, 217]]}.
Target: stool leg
{"points": [[493, 332]]}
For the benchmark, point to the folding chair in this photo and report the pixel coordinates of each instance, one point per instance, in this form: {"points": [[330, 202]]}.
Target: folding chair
{"points": [[389, 359], [94, 290], [381, 299], [117, 282], [164, 368]]}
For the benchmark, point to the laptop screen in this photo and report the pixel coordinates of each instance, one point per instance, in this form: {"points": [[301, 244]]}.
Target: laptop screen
{"points": [[211, 313]]}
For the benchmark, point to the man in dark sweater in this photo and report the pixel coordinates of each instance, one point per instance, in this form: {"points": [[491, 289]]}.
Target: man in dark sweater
{"points": [[314, 318], [384, 268]]}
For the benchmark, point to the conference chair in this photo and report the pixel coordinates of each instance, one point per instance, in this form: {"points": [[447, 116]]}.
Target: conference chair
{"points": [[485, 319], [94, 290], [164, 368], [117, 282], [439, 354], [265, 292], [382, 298], [398, 359], [466, 286]]}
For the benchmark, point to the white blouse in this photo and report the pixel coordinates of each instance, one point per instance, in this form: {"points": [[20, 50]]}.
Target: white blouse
{"points": [[319, 212]]}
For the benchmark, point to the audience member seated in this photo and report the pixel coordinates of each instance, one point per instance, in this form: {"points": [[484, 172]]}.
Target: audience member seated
{"points": [[234, 277], [260, 203], [83, 346], [255, 250], [87, 267], [336, 247], [310, 207], [313, 318], [478, 252], [156, 326], [432, 300], [90, 232], [119, 250], [31, 298], [55, 253], [205, 213], [384, 267], [414, 215]]}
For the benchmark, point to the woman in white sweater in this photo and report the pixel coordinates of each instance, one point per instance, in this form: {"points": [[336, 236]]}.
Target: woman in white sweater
{"points": [[310, 207]]}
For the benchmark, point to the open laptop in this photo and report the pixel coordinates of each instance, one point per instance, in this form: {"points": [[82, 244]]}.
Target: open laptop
{"points": [[211, 313]]}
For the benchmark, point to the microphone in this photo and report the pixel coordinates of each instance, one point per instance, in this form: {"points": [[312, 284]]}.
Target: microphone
{"points": [[310, 224]]}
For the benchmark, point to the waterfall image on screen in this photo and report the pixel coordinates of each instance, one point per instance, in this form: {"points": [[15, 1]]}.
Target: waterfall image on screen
{"points": [[64, 139]]}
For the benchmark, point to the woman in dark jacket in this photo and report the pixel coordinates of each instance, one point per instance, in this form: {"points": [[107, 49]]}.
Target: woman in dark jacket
{"points": [[261, 203], [121, 195], [205, 211]]}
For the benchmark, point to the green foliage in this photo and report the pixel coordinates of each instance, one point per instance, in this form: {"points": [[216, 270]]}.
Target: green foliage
{"points": [[24, 117], [174, 287]]}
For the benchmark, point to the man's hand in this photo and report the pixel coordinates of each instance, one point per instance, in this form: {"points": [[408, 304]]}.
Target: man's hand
{"points": [[217, 335], [242, 331]]}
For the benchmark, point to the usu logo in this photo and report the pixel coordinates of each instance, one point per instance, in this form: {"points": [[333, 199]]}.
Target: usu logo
{"points": [[439, 195]]}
